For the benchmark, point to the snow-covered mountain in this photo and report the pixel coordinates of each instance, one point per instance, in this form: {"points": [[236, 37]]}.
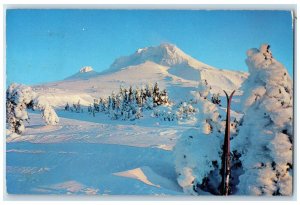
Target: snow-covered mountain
{"points": [[192, 133], [165, 54], [165, 64]]}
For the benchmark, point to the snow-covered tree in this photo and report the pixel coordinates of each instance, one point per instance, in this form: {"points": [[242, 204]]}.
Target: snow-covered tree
{"points": [[48, 113], [90, 109], [102, 105], [138, 113], [67, 107], [96, 105], [149, 103], [156, 95], [109, 102], [164, 98], [77, 107], [129, 104], [185, 111], [112, 107], [149, 90], [130, 95], [138, 96], [164, 113], [216, 98], [198, 151], [19, 98], [118, 104], [265, 139], [204, 88]]}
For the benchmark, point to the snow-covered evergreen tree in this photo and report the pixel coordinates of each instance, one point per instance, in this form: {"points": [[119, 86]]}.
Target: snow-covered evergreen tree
{"points": [[198, 151], [265, 139], [216, 98], [130, 95], [149, 90], [96, 105], [149, 103], [112, 107], [204, 88], [185, 111], [164, 98], [156, 95], [19, 98], [108, 107], [90, 109], [118, 105], [138, 97], [67, 107], [138, 113], [134, 107], [48, 113], [164, 113], [102, 105], [77, 107], [129, 104]]}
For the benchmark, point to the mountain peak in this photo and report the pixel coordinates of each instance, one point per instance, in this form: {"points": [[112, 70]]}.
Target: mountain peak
{"points": [[86, 69], [165, 54], [168, 46], [84, 73], [165, 46]]}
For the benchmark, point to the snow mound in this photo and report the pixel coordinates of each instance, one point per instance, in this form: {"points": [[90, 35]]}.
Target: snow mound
{"points": [[146, 175], [138, 174]]}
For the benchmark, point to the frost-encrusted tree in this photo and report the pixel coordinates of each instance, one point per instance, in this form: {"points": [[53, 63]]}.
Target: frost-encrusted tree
{"points": [[19, 98], [67, 107], [265, 139], [185, 111], [164, 98], [156, 95], [138, 96], [215, 99], [48, 113], [130, 104], [198, 151]]}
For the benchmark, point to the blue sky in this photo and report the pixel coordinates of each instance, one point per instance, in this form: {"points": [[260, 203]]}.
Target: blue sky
{"points": [[49, 45]]}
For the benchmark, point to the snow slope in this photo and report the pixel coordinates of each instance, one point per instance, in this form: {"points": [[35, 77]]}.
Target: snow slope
{"points": [[87, 158], [165, 64]]}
